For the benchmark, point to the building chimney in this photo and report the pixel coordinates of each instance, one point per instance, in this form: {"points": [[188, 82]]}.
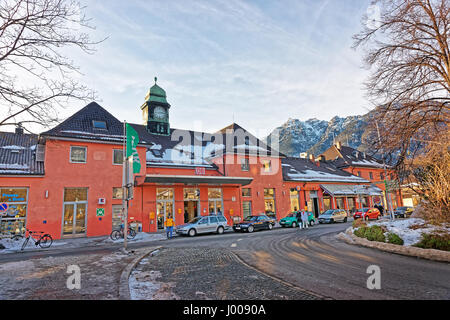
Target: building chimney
{"points": [[338, 145], [19, 129]]}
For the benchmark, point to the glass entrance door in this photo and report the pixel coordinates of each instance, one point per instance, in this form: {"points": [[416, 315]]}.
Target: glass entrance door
{"points": [[164, 209], [74, 219], [116, 217], [190, 210]]}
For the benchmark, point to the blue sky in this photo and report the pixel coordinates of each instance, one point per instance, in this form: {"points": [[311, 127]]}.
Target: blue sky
{"points": [[257, 62]]}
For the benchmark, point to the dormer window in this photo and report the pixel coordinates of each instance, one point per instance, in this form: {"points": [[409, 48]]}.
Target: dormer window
{"points": [[96, 124]]}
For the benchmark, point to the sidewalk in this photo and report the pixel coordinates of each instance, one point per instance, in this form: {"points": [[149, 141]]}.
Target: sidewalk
{"points": [[15, 246]]}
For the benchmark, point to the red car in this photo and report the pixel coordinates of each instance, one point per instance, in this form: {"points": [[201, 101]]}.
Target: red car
{"points": [[367, 213]]}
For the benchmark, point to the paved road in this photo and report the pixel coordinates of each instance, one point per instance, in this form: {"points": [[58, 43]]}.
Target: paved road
{"points": [[311, 259]]}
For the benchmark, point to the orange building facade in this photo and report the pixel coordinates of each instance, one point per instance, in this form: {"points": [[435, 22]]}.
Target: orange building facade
{"points": [[68, 181]]}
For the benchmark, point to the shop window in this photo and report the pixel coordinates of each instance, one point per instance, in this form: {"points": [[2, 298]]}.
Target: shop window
{"points": [[326, 203], [191, 194], [164, 194], [295, 205], [245, 166], [117, 156], [117, 193], [339, 203], [269, 202], [246, 192], [75, 194], [215, 201], [247, 208], [14, 214], [78, 154]]}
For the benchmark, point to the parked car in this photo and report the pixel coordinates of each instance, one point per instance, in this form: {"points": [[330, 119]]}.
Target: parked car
{"points": [[333, 215], [291, 220], [403, 212], [253, 223], [367, 213], [206, 224]]}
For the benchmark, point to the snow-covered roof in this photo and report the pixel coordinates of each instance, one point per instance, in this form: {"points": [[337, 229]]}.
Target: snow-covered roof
{"points": [[298, 169]]}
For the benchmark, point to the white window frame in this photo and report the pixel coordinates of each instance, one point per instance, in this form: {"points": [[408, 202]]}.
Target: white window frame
{"points": [[85, 154]]}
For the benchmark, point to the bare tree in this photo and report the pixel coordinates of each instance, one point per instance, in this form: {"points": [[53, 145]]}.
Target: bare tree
{"points": [[407, 48], [36, 77]]}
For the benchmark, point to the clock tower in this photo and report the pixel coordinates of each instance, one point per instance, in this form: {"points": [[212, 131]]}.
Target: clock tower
{"points": [[155, 111]]}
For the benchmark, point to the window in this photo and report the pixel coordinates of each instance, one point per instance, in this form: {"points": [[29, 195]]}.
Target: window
{"points": [[294, 200], [213, 220], [326, 203], [371, 175], [222, 219], [215, 201], [99, 124], [359, 173], [267, 165], [13, 219], [245, 166], [117, 193], [246, 192], [269, 202], [117, 156], [164, 194], [78, 154], [381, 176], [191, 194], [247, 208], [203, 221]]}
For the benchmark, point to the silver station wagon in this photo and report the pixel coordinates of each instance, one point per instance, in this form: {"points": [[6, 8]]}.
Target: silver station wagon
{"points": [[207, 224]]}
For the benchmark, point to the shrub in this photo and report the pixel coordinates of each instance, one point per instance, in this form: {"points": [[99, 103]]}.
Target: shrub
{"points": [[394, 239], [434, 241], [373, 233], [360, 232]]}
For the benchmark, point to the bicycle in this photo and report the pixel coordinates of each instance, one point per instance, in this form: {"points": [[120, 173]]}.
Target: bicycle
{"points": [[117, 234], [45, 240]]}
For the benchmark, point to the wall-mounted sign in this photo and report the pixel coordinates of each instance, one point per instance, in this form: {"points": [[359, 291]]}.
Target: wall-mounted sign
{"points": [[3, 207], [100, 212], [200, 171], [297, 188]]}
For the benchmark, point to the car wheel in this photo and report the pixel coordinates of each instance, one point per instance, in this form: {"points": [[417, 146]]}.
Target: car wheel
{"points": [[311, 223], [192, 232], [294, 225], [270, 226], [250, 229], [220, 230], [345, 219]]}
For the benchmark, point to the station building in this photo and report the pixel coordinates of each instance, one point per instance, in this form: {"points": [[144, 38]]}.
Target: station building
{"points": [[68, 181]]}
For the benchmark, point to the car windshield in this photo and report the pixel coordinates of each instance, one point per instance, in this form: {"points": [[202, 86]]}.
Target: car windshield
{"points": [[330, 212], [195, 220], [250, 218], [365, 209], [290, 215]]}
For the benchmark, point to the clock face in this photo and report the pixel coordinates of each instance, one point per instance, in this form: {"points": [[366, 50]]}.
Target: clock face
{"points": [[159, 113]]}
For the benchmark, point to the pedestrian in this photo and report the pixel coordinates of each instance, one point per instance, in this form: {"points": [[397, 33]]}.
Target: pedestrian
{"points": [[169, 226], [305, 219]]}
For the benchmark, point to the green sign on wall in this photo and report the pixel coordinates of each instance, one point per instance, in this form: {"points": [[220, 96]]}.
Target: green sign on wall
{"points": [[100, 212]]}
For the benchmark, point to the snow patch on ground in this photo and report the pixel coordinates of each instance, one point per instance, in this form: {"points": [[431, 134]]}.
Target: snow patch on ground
{"points": [[401, 228], [15, 246], [140, 237]]}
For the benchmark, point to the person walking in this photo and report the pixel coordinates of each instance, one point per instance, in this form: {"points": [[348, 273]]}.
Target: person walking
{"points": [[169, 226], [305, 219]]}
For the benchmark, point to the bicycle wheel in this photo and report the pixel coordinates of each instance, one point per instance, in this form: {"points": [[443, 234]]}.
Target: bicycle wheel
{"points": [[45, 241], [25, 243], [131, 234], [17, 237], [115, 235]]}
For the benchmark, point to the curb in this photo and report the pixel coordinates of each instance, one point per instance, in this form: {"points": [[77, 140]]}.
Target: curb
{"points": [[124, 288], [429, 254]]}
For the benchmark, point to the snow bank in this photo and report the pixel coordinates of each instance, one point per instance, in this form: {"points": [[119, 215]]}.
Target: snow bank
{"points": [[401, 227]]}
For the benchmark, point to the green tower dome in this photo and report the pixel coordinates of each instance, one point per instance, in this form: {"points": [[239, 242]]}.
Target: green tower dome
{"points": [[156, 94]]}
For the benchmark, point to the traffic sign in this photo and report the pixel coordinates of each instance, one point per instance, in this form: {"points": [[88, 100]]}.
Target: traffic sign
{"points": [[3, 207]]}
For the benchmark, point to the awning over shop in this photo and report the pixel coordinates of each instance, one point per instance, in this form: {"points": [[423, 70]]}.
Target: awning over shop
{"points": [[343, 190], [159, 178]]}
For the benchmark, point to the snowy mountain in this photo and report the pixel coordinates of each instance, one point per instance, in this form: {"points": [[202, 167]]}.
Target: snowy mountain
{"points": [[315, 136]]}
